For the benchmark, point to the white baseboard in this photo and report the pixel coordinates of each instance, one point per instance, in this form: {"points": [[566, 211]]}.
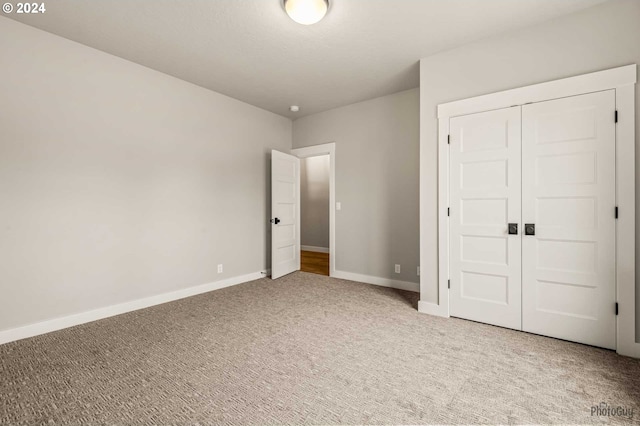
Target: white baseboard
{"points": [[315, 249], [55, 324], [631, 349], [384, 282], [432, 309]]}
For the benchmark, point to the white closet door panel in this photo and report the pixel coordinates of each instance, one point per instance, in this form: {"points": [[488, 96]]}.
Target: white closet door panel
{"points": [[485, 190], [568, 192]]}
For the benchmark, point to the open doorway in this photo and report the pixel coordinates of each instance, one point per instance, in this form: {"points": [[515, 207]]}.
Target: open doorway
{"points": [[314, 214], [317, 211]]}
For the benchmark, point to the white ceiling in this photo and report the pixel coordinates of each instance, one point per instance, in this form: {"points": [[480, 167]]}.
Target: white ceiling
{"points": [[251, 50]]}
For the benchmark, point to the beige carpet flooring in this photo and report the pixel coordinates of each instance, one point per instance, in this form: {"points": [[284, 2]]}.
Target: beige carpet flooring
{"points": [[306, 349]]}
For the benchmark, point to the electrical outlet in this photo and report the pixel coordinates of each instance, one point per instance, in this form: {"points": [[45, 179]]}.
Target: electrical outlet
{"points": [[418, 271], [397, 268], [220, 268]]}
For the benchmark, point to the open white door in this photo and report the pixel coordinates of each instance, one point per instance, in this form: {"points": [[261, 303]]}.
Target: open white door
{"points": [[285, 214]]}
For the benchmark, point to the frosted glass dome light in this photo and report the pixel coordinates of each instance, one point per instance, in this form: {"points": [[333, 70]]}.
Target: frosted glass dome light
{"points": [[306, 12]]}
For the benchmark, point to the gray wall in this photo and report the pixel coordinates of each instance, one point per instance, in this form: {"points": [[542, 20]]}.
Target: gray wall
{"points": [[119, 182], [598, 38], [377, 145], [314, 201]]}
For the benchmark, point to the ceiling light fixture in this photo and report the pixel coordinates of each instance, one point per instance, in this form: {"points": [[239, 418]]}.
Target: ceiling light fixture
{"points": [[306, 12]]}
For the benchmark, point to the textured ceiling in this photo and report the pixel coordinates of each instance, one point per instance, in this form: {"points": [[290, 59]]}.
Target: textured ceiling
{"points": [[250, 50]]}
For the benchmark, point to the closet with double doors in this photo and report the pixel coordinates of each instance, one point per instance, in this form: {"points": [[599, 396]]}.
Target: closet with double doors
{"points": [[532, 221]]}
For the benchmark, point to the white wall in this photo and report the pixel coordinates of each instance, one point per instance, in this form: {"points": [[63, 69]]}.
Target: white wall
{"points": [[598, 38], [314, 201], [376, 182], [118, 182]]}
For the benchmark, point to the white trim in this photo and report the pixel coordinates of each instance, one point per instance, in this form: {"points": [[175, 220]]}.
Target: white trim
{"points": [[383, 282], [572, 86], [432, 309], [314, 151], [625, 226], [315, 249], [621, 79], [443, 222], [55, 324], [298, 218]]}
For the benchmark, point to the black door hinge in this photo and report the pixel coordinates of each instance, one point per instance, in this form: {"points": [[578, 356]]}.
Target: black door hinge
{"points": [[616, 116], [616, 212], [449, 286], [616, 308], [448, 211], [448, 139]]}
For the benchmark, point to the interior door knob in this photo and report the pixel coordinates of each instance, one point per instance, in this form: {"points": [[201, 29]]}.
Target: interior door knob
{"points": [[529, 229], [276, 221], [513, 229]]}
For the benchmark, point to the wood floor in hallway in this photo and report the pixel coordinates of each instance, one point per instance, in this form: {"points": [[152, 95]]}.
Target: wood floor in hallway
{"points": [[316, 263]]}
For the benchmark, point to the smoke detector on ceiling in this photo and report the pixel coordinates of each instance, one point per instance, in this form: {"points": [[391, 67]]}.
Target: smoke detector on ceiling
{"points": [[294, 108]]}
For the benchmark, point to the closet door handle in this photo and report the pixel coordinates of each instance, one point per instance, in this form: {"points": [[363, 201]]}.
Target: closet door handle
{"points": [[513, 229], [529, 229]]}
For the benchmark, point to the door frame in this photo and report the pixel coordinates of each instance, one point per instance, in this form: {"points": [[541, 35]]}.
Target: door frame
{"points": [[622, 80], [330, 150]]}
